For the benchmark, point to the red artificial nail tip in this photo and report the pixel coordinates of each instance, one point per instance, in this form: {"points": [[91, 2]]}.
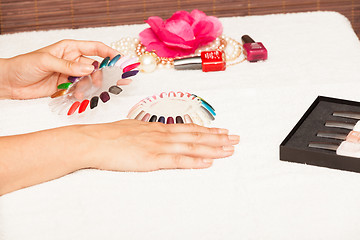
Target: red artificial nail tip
{"points": [[131, 67], [83, 105], [73, 108]]}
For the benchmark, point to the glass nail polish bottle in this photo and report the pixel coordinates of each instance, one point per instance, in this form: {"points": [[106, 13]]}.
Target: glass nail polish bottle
{"points": [[209, 61], [255, 51]]}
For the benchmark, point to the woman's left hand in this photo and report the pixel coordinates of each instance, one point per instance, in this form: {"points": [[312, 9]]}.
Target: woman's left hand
{"points": [[37, 74]]}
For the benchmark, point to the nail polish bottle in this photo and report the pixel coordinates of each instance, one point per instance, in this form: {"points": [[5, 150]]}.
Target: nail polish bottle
{"points": [[255, 51], [209, 61]]}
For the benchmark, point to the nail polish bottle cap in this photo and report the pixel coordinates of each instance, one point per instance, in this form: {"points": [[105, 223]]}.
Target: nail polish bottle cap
{"points": [[190, 63], [247, 39]]}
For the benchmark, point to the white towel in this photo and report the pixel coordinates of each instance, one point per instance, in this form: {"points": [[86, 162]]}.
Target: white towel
{"points": [[251, 195]]}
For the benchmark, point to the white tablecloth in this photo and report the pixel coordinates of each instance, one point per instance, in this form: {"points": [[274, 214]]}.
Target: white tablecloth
{"points": [[251, 195]]}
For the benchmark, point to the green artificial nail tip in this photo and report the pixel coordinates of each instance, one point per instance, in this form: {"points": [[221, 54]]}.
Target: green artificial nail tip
{"points": [[64, 85]]}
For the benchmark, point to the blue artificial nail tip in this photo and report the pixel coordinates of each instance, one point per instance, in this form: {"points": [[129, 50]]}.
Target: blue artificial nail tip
{"points": [[211, 116], [129, 74], [207, 107], [203, 100], [114, 60], [161, 119], [104, 62]]}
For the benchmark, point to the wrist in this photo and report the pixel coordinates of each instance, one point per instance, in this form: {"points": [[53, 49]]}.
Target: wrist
{"points": [[5, 88], [72, 147]]}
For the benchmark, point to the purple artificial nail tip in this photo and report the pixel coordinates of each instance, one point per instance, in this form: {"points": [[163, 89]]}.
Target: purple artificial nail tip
{"points": [[104, 96], [72, 79], [129, 74]]}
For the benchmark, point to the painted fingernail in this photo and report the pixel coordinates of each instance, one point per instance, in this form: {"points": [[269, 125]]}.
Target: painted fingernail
{"points": [[153, 118], [228, 148], [115, 90], [104, 96], [94, 102], [72, 79], [234, 138], [73, 107], [179, 119], [64, 85], [129, 74], [104, 62], [59, 93], [131, 67], [114, 60], [96, 65], [140, 115], [146, 117], [83, 105], [169, 120], [161, 119]]}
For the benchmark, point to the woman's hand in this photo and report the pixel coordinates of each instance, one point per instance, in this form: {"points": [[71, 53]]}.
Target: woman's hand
{"points": [[38, 73], [127, 145], [132, 145]]}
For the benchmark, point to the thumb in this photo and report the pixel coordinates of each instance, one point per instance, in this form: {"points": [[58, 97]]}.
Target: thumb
{"points": [[67, 67]]}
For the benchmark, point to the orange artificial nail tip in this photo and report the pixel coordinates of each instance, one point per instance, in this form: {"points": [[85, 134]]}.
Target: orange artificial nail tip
{"points": [[59, 93], [83, 105], [73, 108]]}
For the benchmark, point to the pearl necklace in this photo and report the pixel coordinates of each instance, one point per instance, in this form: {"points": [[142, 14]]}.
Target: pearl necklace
{"points": [[150, 61]]}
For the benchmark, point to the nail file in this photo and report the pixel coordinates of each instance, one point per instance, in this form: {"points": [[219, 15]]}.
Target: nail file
{"points": [[352, 136], [353, 115], [346, 125], [345, 148]]}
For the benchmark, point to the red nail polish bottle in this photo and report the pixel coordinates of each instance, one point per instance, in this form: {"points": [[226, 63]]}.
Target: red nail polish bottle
{"points": [[208, 61], [255, 51]]}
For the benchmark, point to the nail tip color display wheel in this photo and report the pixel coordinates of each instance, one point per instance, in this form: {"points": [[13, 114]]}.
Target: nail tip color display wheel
{"points": [[82, 93], [173, 107]]}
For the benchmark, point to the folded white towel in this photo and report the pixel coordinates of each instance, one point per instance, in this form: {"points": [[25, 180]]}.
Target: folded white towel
{"points": [[251, 195]]}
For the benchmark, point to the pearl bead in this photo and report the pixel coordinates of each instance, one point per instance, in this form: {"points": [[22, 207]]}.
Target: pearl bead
{"points": [[148, 63]]}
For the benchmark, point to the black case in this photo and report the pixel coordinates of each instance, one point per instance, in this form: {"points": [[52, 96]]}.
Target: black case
{"points": [[295, 148]]}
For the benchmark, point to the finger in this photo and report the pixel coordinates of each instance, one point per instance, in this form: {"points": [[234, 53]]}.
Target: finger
{"points": [[191, 127], [197, 150], [94, 48], [86, 60], [173, 161], [54, 64], [201, 138], [125, 81]]}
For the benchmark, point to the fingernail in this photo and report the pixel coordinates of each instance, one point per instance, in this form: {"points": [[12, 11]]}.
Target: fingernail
{"points": [[85, 69], [223, 131], [234, 138], [207, 161], [228, 148]]}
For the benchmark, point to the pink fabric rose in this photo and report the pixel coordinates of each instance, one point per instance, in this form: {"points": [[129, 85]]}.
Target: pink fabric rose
{"points": [[181, 34]]}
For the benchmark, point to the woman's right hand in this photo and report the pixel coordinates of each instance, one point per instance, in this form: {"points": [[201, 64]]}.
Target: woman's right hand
{"points": [[126, 145], [132, 145]]}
